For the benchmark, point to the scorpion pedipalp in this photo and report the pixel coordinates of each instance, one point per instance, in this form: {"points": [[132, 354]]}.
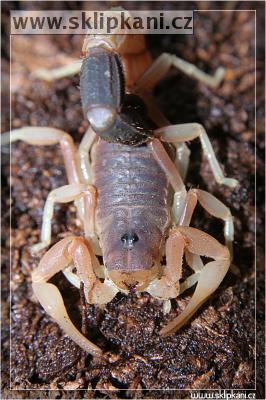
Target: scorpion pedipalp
{"points": [[77, 251], [208, 278]]}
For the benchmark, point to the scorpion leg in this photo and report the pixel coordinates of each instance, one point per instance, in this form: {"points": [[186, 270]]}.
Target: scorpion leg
{"points": [[208, 278], [173, 175], [191, 70], [50, 75], [66, 194], [214, 207], [55, 260], [84, 151], [162, 65], [154, 74], [168, 285], [182, 150], [190, 131], [77, 251], [45, 136], [193, 260]]}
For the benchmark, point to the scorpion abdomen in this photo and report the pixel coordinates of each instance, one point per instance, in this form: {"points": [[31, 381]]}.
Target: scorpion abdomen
{"points": [[133, 206]]}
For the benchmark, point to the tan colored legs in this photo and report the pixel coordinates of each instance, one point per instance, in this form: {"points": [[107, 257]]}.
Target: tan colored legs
{"points": [[50, 75], [162, 65], [208, 278], [84, 196], [66, 194], [194, 243], [146, 83], [217, 209], [168, 285], [85, 202], [55, 260], [214, 207], [45, 136], [178, 134], [84, 151], [173, 175], [156, 72], [59, 257], [167, 165], [187, 132], [182, 150]]}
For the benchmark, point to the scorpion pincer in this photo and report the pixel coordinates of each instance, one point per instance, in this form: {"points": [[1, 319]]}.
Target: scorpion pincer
{"points": [[132, 201]]}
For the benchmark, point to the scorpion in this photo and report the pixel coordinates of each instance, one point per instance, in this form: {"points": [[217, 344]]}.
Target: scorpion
{"points": [[126, 180]]}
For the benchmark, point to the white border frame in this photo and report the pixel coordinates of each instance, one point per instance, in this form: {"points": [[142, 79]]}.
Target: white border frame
{"points": [[255, 201]]}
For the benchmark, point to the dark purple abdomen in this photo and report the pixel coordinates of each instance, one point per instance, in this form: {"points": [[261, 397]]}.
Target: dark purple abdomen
{"points": [[133, 205]]}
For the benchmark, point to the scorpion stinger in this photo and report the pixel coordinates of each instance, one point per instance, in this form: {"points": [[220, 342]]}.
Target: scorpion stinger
{"points": [[113, 115]]}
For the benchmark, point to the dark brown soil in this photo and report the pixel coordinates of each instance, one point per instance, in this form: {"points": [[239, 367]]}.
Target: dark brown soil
{"points": [[216, 350]]}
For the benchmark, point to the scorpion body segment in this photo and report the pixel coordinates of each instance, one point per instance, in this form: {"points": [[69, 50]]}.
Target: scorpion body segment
{"points": [[133, 211]]}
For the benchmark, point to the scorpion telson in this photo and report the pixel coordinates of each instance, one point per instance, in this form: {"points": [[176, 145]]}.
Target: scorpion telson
{"points": [[113, 115], [126, 180], [102, 101]]}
